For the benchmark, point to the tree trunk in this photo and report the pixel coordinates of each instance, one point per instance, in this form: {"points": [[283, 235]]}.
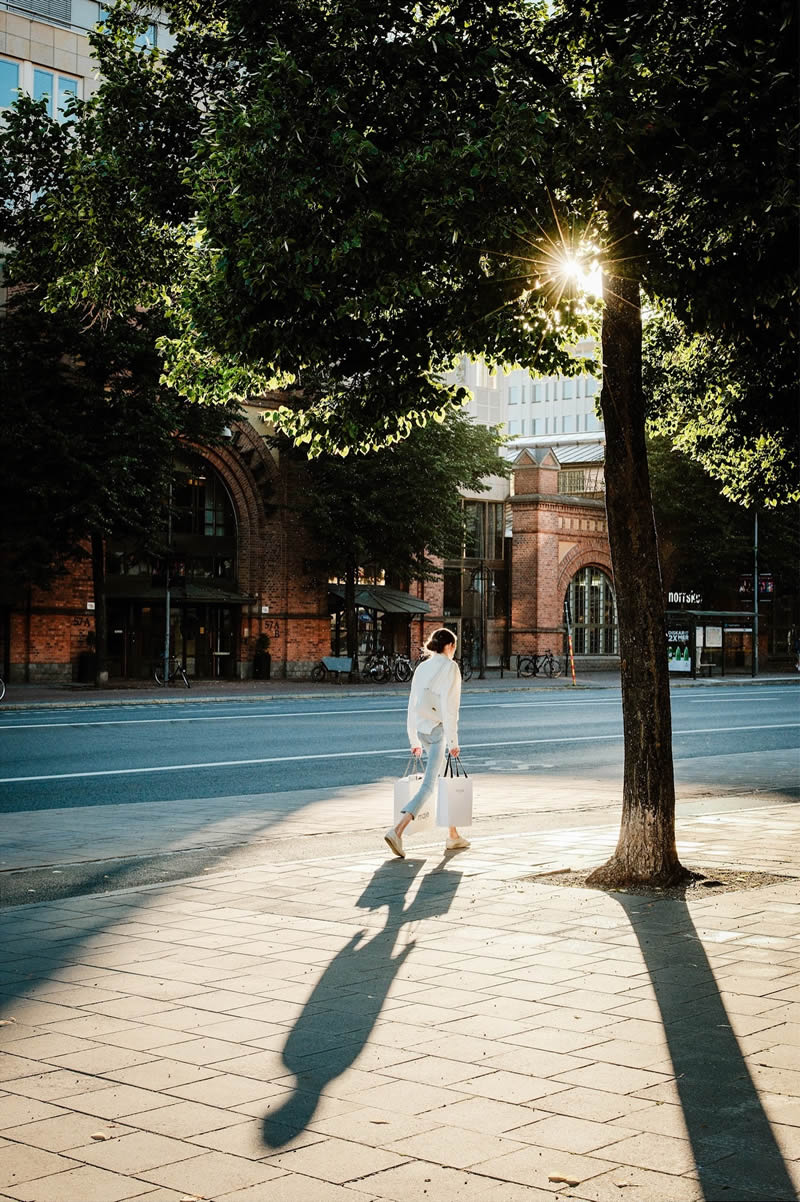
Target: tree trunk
{"points": [[100, 623], [646, 850], [351, 617]]}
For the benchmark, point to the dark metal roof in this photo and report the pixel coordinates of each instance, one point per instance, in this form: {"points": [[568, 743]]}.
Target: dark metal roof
{"points": [[379, 596]]}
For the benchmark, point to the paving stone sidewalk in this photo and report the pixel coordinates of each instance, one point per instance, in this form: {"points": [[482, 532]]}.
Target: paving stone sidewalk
{"points": [[355, 1029]]}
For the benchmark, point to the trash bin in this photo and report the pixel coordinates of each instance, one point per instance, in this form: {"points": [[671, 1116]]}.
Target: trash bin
{"points": [[262, 665], [87, 667]]}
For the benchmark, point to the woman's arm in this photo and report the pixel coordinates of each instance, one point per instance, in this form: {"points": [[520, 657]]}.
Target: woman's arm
{"points": [[451, 701]]}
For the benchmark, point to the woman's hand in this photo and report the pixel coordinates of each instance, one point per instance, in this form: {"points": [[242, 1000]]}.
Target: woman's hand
{"points": [[455, 751], [416, 751]]}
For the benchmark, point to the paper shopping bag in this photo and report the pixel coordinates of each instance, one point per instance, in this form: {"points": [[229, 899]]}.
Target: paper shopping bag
{"points": [[454, 796], [404, 790]]}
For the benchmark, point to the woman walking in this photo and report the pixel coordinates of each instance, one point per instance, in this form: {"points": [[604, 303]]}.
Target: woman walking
{"points": [[432, 725]]}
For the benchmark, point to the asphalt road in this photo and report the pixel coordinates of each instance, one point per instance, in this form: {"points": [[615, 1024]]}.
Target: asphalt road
{"points": [[729, 743], [56, 759]]}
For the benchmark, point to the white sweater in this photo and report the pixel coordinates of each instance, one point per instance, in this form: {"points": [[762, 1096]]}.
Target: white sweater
{"points": [[435, 697]]}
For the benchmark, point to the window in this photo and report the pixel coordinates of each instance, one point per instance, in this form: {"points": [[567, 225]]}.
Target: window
{"points": [[536, 425], [514, 395], [591, 385], [452, 592], [201, 505], [593, 613], [513, 428], [496, 528], [473, 529], [568, 390], [568, 425], [145, 41], [54, 89], [485, 528], [56, 10], [540, 390], [9, 82]]}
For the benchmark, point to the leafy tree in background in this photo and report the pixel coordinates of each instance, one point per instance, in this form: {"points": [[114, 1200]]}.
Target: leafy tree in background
{"points": [[375, 189], [88, 432], [398, 507], [706, 540]]}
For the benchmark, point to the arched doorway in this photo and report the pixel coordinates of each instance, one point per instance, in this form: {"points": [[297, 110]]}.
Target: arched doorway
{"points": [[200, 563], [593, 612]]}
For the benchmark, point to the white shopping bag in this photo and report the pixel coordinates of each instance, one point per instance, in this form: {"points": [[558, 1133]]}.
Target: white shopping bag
{"points": [[454, 796], [404, 790]]}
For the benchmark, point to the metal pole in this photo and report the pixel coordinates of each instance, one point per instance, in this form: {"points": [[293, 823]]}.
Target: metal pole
{"points": [[567, 618], [755, 593], [484, 579], [166, 585]]}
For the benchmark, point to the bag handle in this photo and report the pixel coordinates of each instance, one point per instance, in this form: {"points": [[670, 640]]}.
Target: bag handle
{"points": [[414, 765], [454, 767]]}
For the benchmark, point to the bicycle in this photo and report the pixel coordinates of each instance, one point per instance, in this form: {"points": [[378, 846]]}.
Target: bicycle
{"points": [[377, 668], [403, 668], [536, 665], [2, 688], [176, 672]]}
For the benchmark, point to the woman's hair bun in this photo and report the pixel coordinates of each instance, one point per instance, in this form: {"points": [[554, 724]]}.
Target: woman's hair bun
{"points": [[440, 639]]}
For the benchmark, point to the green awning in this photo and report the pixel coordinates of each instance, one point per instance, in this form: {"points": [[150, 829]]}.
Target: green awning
{"points": [[379, 596]]}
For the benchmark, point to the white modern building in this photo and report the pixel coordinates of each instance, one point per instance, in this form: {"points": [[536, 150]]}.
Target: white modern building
{"points": [[545, 408], [45, 52]]}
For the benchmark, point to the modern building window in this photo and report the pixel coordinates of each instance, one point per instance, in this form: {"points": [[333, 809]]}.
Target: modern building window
{"points": [[9, 82], [55, 89], [514, 428], [568, 391], [53, 10], [514, 394], [540, 391], [568, 424], [593, 613]]}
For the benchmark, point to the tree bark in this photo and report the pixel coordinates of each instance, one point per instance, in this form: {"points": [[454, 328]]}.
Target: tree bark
{"points": [[646, 850], [100, 623]]}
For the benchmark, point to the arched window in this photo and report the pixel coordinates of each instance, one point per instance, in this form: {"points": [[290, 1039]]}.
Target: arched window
{"points": [[593, 613]]}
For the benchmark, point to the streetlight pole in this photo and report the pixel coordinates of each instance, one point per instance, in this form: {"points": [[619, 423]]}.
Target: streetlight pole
{"points": [[166, 583], [755, 593], [484, 579]]}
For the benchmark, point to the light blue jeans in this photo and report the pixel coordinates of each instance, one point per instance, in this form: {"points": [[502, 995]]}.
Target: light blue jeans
{"points": [[434, 748]]}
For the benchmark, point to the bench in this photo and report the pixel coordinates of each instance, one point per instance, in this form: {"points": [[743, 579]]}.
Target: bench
{"points": [[336, 665], [707, 667]]}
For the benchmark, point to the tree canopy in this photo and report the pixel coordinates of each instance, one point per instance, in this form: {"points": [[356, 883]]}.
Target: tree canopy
{"points": [[400, 508]]}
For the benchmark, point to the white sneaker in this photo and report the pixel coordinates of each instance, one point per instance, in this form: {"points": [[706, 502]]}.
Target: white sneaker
{"points": [[395, 841], [457, 844]]}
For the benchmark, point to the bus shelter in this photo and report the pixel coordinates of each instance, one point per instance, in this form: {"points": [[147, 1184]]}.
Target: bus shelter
{"points": [[702, 642]]}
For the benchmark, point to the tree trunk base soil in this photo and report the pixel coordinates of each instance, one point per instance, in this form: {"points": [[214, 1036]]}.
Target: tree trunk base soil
{"points": [[700, 883], [616, 874]]}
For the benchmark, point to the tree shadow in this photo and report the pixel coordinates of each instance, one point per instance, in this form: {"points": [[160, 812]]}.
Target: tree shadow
{"points": [[344, 1006], [734, 1147]]}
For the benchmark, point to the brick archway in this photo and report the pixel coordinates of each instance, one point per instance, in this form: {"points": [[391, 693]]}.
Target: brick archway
{"points": [[579, 558]]}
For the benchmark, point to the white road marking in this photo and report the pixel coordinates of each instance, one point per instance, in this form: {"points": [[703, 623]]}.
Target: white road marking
{"points": [[394, 709], [343, 755]]}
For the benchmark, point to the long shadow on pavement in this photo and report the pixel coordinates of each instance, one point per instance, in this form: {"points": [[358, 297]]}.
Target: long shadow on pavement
{"points": [[734, 1147], [339, 1016]]}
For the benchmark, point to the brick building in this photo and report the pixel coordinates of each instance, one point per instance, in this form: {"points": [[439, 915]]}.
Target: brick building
{"points": [[242, 566]]}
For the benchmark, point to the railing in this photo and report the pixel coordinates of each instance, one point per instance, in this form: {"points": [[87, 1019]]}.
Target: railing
{"points": [[580, 482]]}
